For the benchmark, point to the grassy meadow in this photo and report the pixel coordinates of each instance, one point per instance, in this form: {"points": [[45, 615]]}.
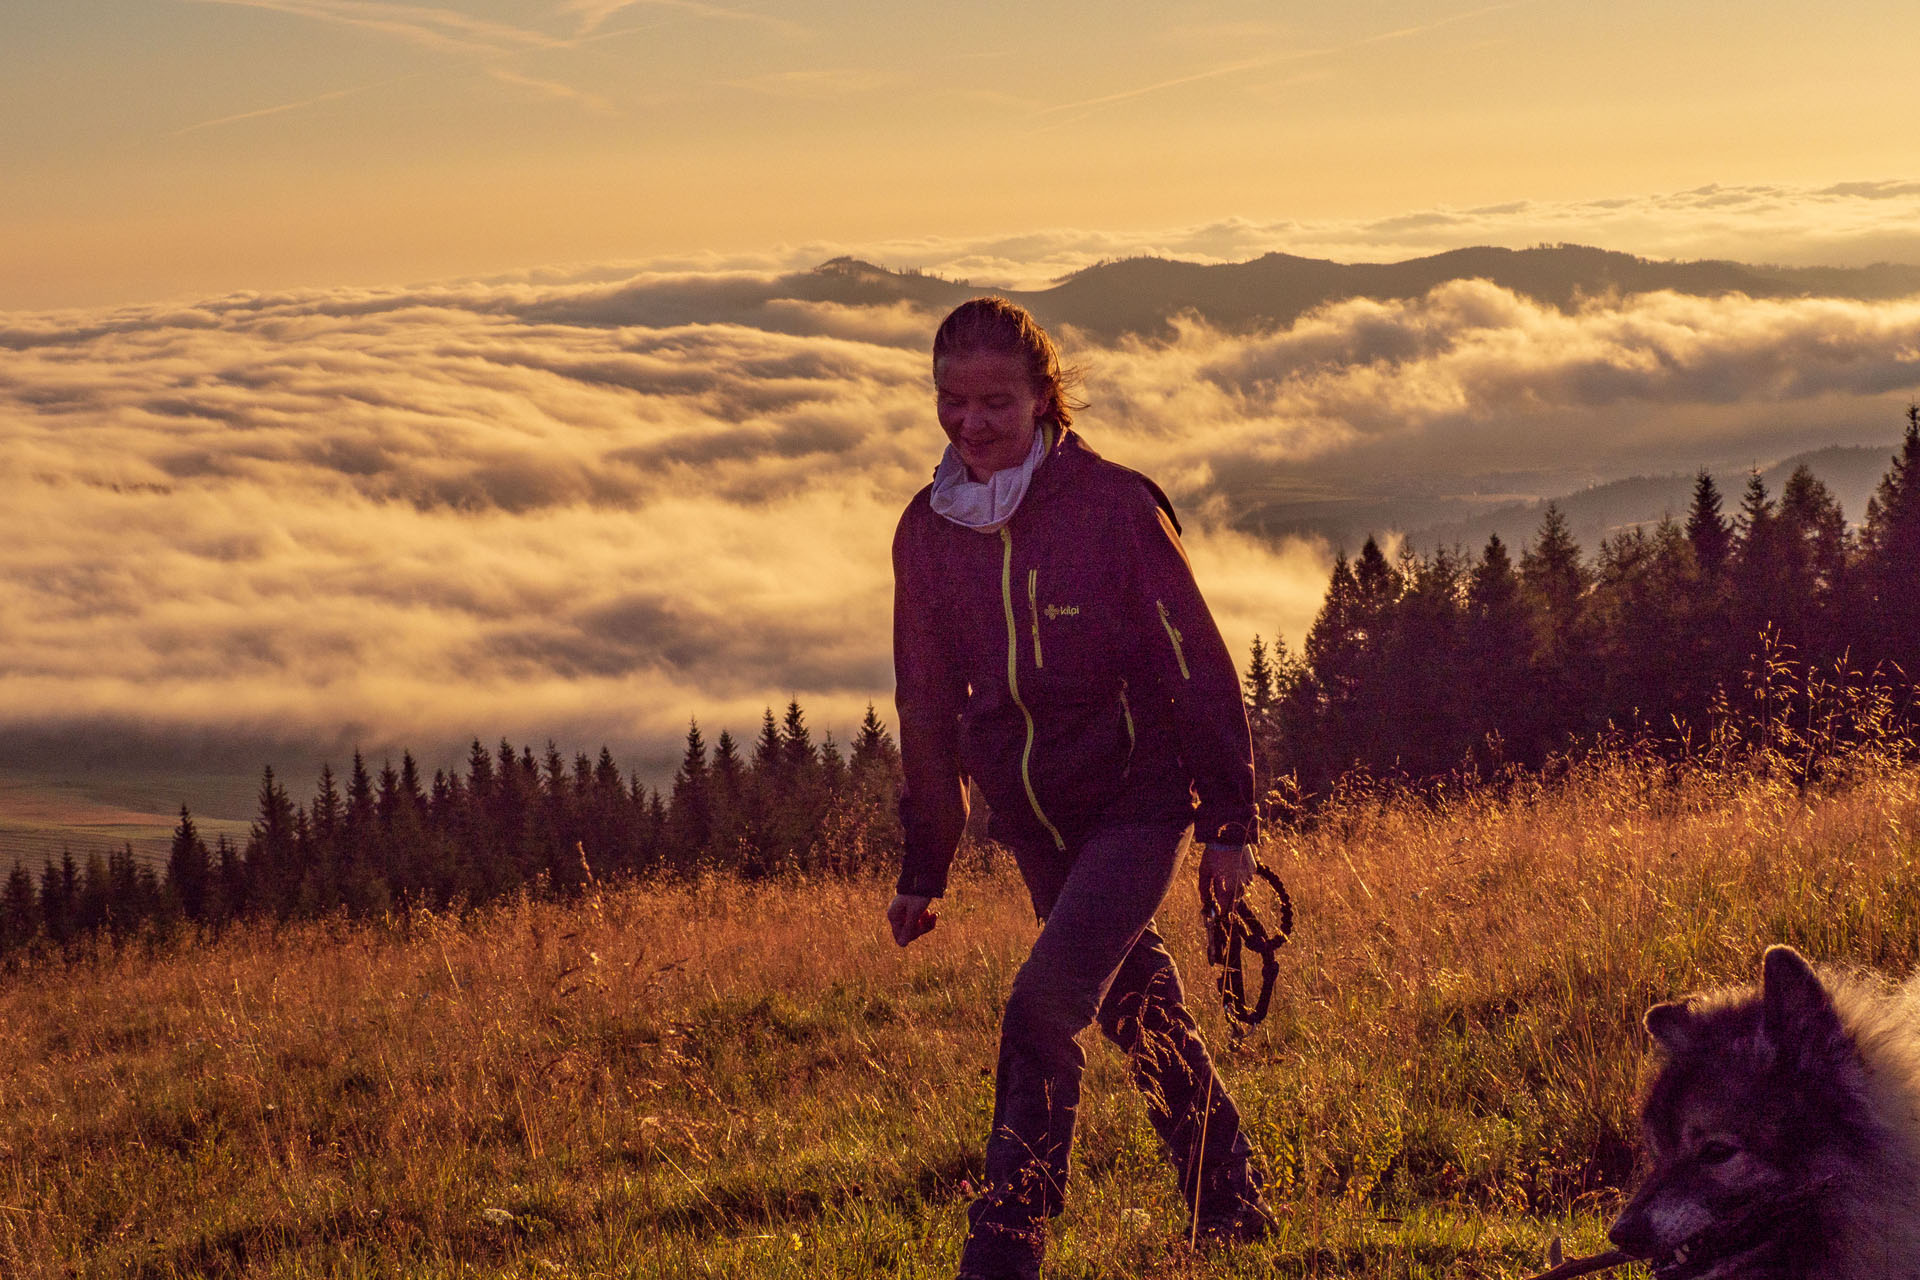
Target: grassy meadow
{"points": [[724, 1079]]}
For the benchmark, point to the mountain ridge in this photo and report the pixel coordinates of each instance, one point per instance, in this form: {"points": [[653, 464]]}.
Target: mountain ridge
{"points": [[1145, 295]]}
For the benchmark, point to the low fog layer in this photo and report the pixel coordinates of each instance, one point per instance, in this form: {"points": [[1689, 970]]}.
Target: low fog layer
{"points": [[588, 511]]}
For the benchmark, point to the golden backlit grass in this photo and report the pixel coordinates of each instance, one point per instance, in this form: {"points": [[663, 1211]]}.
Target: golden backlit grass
{"points": [[734, 1080]]}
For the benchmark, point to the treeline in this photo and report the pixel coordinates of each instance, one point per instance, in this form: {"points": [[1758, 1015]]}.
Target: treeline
{"points": [[1423, 666], [390, 842]]}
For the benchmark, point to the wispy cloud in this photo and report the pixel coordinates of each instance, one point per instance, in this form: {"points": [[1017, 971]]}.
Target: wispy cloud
{"points": [[448, 30], [1265, 61], [1160, 86], [1420, 29], [298, 105], [820, 84], [479, 43], [591, 15], [553, 89]]}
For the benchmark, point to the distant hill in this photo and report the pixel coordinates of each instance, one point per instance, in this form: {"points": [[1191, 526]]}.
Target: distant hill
{"points": [[1142, 295], [1850, 473]]}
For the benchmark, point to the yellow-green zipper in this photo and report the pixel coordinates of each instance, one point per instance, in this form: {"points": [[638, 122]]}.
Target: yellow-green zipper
{"points": [[1013, 682], [1033, 611], [1174, 635]]}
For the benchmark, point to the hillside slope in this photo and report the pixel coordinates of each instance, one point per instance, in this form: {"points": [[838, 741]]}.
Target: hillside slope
{"points": [[716, 1079]]}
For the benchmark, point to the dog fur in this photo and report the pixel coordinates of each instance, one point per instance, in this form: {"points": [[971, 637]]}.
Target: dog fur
{"points": [[1784, 1132]]}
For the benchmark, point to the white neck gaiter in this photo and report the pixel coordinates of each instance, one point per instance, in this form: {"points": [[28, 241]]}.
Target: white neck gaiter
{"points": [[986, 505]]}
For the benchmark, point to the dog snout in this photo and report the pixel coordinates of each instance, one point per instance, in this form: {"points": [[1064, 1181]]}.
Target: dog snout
{"points": [[1631, 1233]]}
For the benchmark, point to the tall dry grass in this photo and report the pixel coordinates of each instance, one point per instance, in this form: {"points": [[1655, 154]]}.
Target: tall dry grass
{"points": [[720, 1079]]}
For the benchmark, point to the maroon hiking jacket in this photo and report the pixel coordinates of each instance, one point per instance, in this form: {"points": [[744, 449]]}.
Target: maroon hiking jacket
{"points": [[1065, 663]]}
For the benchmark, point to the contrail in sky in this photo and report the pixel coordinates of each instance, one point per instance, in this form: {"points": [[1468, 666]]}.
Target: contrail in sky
{"points": [[491, 41], [283, 107], [1252, 64]]}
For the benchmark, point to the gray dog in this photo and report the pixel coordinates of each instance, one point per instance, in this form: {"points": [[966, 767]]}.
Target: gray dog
{"points": [[1784, 1131]]}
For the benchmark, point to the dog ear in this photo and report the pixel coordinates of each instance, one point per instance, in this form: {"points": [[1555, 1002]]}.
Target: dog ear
{"points": [[1797, 1014], [1672, 1025]]}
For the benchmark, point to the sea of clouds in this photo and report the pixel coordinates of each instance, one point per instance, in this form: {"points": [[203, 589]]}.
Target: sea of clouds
{"points": [[589, 509]]}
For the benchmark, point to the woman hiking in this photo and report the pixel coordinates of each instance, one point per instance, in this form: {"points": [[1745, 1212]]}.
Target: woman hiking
{"points": [[1050, 645]]}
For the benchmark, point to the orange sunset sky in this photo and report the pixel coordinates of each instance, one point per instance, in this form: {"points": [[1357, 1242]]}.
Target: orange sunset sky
{"points": [[164, 148]]}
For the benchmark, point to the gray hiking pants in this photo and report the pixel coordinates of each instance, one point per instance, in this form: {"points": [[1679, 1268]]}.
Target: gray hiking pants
{"points": [[1098, 958]]}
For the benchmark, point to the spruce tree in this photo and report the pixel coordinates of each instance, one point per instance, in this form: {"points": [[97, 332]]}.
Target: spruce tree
{"points": [[766, 751], [1652, 643], [1414, 714], [272, 867], [873, 748], [656, 830], [728, 780], [59, 898], [1554, 580], [1760, 571], [190, 871], [386, 803], [690, 812], [727, 767], [359, 815], [1258, 682], [516, 859], [1552, 571], [479, 773], [1335, 655], [1815, 547], [803, 798], [1378, 586], [19, 911], [326, 811], [606, 817], [230, 882], [410, 781], [93, 906], [133, 893], [832, 765], [796, 743], [555, 784], [314, 891], [1332, 641], [872, 828], [1707, 530], [1890, 558]]}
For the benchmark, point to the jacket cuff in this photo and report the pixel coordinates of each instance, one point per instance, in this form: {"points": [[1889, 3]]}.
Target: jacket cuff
{"points": [[920, 886], [1229, 833]]}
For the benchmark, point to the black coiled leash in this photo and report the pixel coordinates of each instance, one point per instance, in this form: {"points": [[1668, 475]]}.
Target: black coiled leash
{"points": [[1230, 934]]}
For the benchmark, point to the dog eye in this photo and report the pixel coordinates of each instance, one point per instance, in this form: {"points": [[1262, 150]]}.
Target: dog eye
{"points": [[1717, 1151]]}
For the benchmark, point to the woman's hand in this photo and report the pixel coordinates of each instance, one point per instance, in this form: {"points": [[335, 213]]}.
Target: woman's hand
{"points": [[1225, 872], [909, 915]]}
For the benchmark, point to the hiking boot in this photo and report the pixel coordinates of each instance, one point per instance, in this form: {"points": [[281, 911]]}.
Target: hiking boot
{"points": [[1001, 1250], [1232, 1211], [1013, 1268]]}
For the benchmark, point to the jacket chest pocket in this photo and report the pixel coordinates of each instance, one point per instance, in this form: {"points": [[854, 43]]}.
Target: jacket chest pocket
{"points": [[1060, 633]]}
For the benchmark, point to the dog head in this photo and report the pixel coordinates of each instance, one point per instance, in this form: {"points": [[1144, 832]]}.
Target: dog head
{"points": [[1758, 1096]]}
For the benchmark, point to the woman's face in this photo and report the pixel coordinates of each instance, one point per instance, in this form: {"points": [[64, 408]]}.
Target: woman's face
{"points": [[987, 407]]}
